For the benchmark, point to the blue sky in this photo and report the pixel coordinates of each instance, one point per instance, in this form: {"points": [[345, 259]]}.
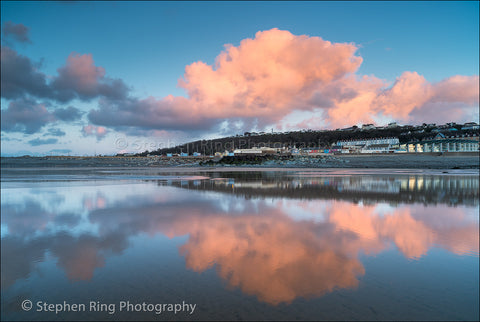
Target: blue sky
{"points": [[148, 45]]}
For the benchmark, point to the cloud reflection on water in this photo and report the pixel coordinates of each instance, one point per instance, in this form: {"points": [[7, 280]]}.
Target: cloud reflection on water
{"points": [[263, 248]]}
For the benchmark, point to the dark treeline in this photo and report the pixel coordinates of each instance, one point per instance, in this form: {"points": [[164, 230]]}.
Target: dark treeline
{"points": [[305, 139]]}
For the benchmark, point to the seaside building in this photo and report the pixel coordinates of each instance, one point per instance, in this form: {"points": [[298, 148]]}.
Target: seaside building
{"points": [[470, 126], [379, 145], [315, 151], [376, 148], [367, 142], [368, 127], [259, 151], [228, 153], [253, 151], [443, 145]]}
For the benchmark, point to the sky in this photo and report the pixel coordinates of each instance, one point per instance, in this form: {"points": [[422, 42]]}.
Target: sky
{"points": [[88, 78]]}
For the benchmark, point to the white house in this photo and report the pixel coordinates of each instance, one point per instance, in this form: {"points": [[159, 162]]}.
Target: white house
{"points": [[470, 126], [367, 142], [379, 145], [368, 127]]}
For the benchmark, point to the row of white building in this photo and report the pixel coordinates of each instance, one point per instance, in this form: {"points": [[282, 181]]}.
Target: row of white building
{"points": [[392, 145], [366, 146]]}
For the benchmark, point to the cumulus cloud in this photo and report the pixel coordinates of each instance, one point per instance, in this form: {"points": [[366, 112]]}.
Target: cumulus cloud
{"points": [[4, 138], [68, 114], [265, 79], [21, 77], [457, 89], [411, 98], [79, 78], [55, 132], [261, 82], [411, 92], [266, 76], [170, 113], [18, 32], [28, 116], [91, 130], [39, 141], [25, 115], [453, 98], [258, 82]]}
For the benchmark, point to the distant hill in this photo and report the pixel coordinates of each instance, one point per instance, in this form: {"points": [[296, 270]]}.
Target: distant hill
{"points": [[310, 138]]}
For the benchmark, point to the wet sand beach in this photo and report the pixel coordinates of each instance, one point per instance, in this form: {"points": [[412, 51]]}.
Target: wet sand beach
{"points": [[241, 243]]}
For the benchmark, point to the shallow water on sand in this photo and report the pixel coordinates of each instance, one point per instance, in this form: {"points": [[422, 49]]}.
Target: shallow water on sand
{"points": [[102, 244]]}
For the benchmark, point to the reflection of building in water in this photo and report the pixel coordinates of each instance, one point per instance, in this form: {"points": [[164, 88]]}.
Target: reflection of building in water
{"points": [[434, 189], [360, 184], [255, 184], [447, 184]]}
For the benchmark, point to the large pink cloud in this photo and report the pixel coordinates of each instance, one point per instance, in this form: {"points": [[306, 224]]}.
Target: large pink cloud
{"points": [[81, 74], [409, 91], [277, 73], [81, 78], [265, 79], [410, 99], [267, 75], [261, 82], [457, 89]]}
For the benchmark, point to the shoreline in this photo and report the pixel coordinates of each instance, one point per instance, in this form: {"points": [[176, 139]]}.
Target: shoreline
{"points": [[389, 161]]}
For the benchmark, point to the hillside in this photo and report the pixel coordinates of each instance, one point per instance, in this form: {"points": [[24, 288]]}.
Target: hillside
{"points": [[310, 138]]}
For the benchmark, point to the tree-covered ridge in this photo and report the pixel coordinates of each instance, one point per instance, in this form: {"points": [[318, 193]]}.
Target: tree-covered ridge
{"points": [[310, 139]]}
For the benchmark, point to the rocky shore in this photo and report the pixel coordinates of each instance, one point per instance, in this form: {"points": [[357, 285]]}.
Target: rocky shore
{"points": [[276, 161], [396, 161], [96, 162]]}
